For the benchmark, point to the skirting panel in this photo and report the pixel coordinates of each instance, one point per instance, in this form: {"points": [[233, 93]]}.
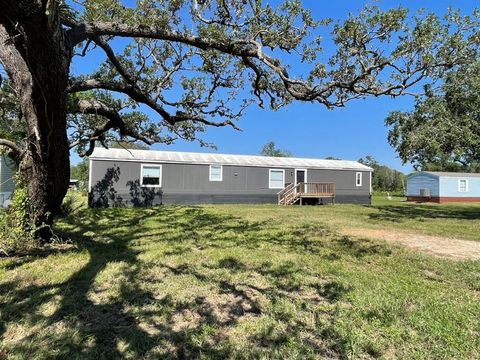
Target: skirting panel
{"points": [[353, 199], [150, 199], [219, 199], [443, 199]]}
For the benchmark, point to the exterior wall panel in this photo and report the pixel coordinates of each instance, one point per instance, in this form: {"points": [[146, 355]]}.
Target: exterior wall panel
{"points": [[344, 181], [449, 187], [7, 171], [189, 183], [444, 187], [419, 181], [7, 184]]}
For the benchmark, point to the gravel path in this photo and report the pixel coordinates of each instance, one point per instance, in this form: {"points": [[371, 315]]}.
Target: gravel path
{"points": [[435, 245]]}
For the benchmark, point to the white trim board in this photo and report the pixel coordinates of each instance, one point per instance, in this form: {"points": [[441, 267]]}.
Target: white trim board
{"points": [[90, 163], [270, 177], [306, 175], [466, 185], [210, 163], [210, 173], [224, 159], [356, 179], [159, 179]]}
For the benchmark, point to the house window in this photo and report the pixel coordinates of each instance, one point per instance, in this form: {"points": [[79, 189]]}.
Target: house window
{"points": [[358, 179], [216, 172], [276, 179], [151, 175], [462, 185]]}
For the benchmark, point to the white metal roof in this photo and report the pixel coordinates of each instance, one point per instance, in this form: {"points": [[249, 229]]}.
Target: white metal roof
{"points": [[223, 159], [446, 174]]}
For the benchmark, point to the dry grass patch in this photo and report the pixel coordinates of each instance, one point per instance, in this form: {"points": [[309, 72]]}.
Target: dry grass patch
{"points": [[436, 245]]}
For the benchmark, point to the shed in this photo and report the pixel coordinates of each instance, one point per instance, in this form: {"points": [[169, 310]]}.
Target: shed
{"points": [[73, 184], [145, 177], [7, 184], [443, 187]]}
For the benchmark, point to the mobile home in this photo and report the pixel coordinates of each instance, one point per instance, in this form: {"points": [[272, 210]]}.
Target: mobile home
{"points": [[443, 187], [144, 177], [7, 184]]}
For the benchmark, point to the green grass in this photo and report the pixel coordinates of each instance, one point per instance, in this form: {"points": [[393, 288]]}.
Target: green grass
{"points": [[460, 220], [244, 282]]}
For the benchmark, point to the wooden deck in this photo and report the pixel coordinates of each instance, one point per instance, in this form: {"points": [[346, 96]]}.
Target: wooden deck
{"points": [[292, 193]]}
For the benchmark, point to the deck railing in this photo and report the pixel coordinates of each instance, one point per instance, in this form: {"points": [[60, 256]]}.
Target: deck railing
{"points": [[292, 193], [313, 188], [285, 194]]}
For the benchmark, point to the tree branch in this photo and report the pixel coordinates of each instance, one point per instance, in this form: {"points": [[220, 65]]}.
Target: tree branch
{"points": [[137, 95], [114, 121], [360, 67], [93, 30], [14, 151], [114, 60]]}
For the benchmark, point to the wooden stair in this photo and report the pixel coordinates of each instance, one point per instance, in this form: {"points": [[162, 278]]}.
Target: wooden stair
{"points": [[287, 195], [293, 194]]}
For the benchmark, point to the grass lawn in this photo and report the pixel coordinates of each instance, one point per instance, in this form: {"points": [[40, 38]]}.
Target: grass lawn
{"points": [[243, 282], [458, 220]]}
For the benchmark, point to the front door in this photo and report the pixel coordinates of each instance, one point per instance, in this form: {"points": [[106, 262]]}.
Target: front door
{"points": [[300, 177]]}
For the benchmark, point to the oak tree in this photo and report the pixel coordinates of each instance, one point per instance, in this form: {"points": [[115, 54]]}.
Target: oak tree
{"points": [[442, 132], [172, 68]]}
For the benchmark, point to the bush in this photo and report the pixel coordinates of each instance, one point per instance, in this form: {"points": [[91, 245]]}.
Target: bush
{"points": [[68, 205], [72, 203], [16, 228]]}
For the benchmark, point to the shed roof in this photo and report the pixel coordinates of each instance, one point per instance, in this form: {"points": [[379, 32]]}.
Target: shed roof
{"points": [[223, 159], [447, 174]]}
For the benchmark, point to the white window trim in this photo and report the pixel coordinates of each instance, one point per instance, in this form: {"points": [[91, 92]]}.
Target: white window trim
{"points": [[270, 178], [466, 185], [356, 179], [159, 180], [306, 175], [210, 173], [370, 180], [90, 163]]}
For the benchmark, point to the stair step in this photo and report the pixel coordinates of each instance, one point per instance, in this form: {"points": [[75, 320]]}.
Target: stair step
{"points": [[289, 198]]}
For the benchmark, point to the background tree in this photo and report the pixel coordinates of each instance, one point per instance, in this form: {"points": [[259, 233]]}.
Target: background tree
{"points": [[11, 127], [80, 173], [384, 178], [121, 144], [270, 149], [447, 164], [195, 64], [442, 133]]}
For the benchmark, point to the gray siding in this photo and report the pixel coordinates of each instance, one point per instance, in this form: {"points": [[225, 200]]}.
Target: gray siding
{"points": [[189, 183], [194, 179], [344, 181], [7, 185], [7, 171]]}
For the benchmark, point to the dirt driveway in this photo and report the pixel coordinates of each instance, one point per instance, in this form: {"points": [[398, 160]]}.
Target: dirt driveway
{"points": [[435, 245]]}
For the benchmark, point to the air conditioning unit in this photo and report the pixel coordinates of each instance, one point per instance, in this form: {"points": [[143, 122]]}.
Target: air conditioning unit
{"points": [[425, 193]]}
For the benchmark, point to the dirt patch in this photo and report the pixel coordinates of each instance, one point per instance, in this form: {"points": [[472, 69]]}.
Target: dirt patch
{"points": [[436, 245]]}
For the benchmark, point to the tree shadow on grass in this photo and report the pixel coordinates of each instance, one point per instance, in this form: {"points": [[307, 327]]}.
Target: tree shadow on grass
{"points": [[141, 322], [417, 211], [360, 248]]}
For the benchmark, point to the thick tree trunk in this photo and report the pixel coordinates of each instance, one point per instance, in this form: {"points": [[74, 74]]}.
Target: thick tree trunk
{"points": [[34, 53]]}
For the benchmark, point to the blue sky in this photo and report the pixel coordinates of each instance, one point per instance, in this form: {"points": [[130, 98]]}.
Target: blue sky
{"points": [[310, 130]]}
